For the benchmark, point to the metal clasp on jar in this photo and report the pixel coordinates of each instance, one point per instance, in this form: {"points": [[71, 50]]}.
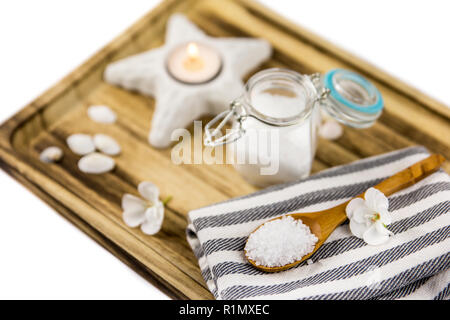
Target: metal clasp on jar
{"points": [[323, 93], [213, 136]]}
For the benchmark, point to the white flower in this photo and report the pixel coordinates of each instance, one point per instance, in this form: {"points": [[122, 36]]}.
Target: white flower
{"points": [[148, 213], [369, 217]]}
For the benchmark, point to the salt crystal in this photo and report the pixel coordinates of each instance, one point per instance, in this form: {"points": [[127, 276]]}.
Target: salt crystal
{"points": [[280, 242]]}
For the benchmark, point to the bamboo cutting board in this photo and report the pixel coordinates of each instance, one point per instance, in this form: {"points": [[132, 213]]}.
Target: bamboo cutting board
{"points": [[93, 202]]}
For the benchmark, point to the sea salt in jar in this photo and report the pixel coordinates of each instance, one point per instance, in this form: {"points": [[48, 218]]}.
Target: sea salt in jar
{"points": [[274, 133]]}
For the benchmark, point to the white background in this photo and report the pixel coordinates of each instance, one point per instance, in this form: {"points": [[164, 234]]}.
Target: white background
{"points": [[41, 254]]}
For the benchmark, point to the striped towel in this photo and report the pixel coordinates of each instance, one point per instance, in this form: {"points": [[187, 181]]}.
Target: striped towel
{"points": [[413, 264]]}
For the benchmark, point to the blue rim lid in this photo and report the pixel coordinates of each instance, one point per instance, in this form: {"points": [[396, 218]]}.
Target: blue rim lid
{"points": [[360, 80]]}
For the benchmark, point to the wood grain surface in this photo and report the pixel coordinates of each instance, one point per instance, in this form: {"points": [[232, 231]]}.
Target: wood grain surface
{"points": [[93, 202]]}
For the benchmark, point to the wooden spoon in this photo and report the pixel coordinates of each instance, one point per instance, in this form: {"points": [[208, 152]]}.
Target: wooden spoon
{"points": [[323, 223]]}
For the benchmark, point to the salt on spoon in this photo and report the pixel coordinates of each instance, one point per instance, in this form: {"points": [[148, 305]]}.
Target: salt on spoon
{"points": [[81, 144], [280, 242], [96, 163], [107, 145], [102, 114], [51, 154]]}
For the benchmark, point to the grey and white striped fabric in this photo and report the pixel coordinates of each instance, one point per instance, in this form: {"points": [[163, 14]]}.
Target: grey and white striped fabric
{"points": [[412, 265]]}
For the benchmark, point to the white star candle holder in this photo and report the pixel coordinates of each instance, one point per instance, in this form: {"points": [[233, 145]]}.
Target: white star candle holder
{"points": [[191, 76]]}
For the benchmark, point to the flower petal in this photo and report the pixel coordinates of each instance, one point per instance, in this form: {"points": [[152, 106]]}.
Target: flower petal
{"points": [[385, 217], [373, 237], [132, 203], [382, 229], [155, 213], [149, 191], [154, 217], [133, 218], [352, 205], [363, 214], [376, 200], [357, 229], [150, 227]]}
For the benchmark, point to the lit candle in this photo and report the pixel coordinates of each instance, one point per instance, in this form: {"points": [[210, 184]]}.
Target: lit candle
{"points": [[194, 63]]}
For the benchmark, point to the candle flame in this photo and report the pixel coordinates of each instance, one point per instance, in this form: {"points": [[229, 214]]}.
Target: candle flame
{"points": [[192, 50]]}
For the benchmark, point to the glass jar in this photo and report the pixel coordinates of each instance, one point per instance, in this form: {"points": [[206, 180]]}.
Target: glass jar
{"points": [[273, 137]]}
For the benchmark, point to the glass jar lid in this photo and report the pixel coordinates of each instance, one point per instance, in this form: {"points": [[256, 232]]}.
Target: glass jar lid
{"points": [[351, 98]]}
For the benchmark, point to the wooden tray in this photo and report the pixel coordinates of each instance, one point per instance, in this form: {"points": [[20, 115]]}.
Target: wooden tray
{"points": [[93, 202]]}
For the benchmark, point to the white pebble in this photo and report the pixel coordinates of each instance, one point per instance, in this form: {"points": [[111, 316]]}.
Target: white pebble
{"points": [[51, 154], [331, 130], [81, 144], [280, 242], [106, 144], [96, 163], [325, 116], [309, 262], [102, 114]]}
